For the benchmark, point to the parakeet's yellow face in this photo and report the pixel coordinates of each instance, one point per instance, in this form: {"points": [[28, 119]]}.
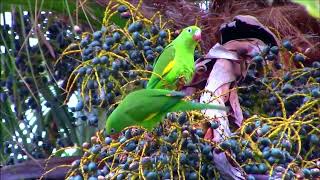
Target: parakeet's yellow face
{"points": [[192, 33]]}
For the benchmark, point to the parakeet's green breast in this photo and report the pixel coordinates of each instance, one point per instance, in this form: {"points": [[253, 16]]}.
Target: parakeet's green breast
{"points": [[147, 107], [177, 60]]}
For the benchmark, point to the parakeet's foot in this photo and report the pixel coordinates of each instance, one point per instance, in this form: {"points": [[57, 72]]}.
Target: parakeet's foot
{"points": [[181, 82]]}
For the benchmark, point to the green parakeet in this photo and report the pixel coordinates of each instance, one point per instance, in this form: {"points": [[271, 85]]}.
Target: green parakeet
{"points": [[147, 107], [312, 6], [175, 65]]}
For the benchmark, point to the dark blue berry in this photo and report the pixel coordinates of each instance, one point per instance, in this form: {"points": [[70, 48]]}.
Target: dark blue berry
{"points": [[159, 49], [314, 139], [154, 30], [136, 36], [193, 176], [131, 146], [163, 34], [275, 152], [147, 43], [316, 64], [93, 121], [262, 168], [265, 141], [287, 44], [97, 35], [265, 50], [96, 148], [150, 57], [250, 177], [152, 176], [94, 43], [116, 36], [215, 124], [306, 172], [274, 49], [315, 92], [298, 57], [133, 166], [96, 60], [106, 47], [258, 59], [287, 88], [91, 84], [147, 35], [120, 177], [128, 45], [104, 60], [109, 41], [92, 166], [122, 8], [84, 42], [191, 146], [264, 129], [270, 56], [77, 177], [108, 140], [116, 65]]}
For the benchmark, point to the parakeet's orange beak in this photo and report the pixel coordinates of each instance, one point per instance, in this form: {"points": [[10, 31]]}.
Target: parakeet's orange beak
{"points": [[115, 136], [197, 35]]}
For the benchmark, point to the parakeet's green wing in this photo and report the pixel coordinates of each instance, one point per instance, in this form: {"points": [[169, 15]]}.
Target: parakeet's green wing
{"points": [[154, 104], [162, 66]]}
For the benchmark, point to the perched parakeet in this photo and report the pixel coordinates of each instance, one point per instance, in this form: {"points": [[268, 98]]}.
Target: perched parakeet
{"points": [[175, 65], [147, 107]]}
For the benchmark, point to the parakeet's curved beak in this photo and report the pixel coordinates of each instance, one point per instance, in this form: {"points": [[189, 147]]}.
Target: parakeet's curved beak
{"points": [[115, 136], [197, 35]]}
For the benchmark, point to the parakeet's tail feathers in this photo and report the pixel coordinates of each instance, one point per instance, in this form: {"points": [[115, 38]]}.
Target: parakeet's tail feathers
{"points": [[152, 84], [167, 93], [189, 106]]}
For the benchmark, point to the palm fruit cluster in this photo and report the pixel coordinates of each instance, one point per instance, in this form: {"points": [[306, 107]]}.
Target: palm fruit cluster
{"points": [[279, 138], [23, 73], [177, 150], [115, 59]]}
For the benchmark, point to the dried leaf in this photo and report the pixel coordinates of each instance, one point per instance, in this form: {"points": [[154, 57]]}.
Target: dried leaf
{"points": [[220, 52], [226, 170], [237, 112]]}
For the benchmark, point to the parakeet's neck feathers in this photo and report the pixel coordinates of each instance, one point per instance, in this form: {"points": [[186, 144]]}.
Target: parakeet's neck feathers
{"points": [[188, 43]]}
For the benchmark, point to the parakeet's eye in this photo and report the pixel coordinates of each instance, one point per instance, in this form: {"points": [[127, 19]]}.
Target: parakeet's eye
{"points": [[189, 30], [113, 130]]}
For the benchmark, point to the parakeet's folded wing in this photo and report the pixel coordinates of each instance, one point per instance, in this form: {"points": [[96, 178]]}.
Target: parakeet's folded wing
{"points": [[153, 104], [163, 65]]}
